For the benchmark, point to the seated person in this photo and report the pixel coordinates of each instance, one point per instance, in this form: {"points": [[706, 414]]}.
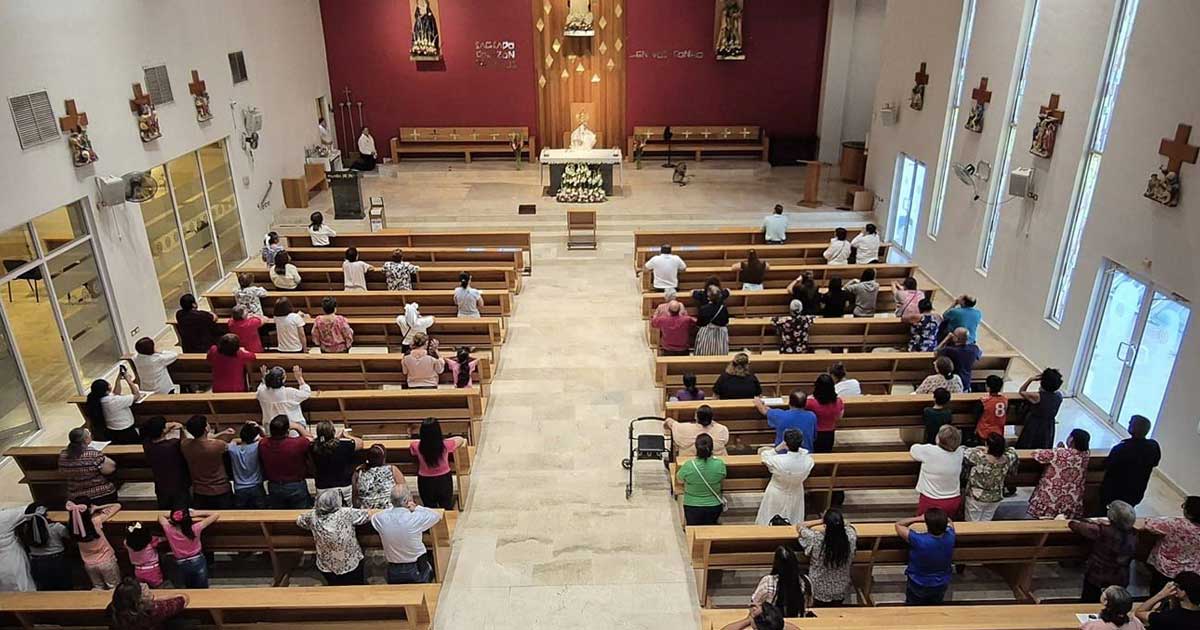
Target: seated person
{"points": [[684, 434], [689, 392], [943, 376], [737, 381]]}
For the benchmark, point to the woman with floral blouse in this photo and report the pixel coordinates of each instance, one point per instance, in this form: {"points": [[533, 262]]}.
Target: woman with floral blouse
{"points": [[339, 556], [1060, 490]]}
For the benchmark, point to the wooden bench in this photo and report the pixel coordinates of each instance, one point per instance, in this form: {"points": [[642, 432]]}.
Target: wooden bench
{"points": [[779, 374], [441, 257], [275, 533], [310, 607], [643, 239], [779, 277], [484, 334], [465, 140], [382, 413], [405, 239], [976, 617], [370, 303], [797, 253], [765, 303], [855, 334], [724, 140], [296, 191], [39, 467], [1011, 548], [430, 279], [861, 412]]}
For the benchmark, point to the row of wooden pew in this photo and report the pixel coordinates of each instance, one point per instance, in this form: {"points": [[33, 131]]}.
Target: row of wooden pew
{"points": [[779, 276], [417, 245]]}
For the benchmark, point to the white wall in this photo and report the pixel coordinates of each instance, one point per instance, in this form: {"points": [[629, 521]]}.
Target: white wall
{"points": [[852, 59], [94, 51], [1067, 57], [865, 59]]}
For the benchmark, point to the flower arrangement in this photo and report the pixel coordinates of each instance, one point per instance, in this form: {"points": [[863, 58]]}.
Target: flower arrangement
{"points": [[581, 183], [518, 145], [639, 149]]}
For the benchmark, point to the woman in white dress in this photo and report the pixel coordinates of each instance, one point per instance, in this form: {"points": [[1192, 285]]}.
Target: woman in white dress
{"points": [[789, 468], [14, 562]]}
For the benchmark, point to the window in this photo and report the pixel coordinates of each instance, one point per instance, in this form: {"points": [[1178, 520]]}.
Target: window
{"points": [[907, 193], [950, 130], [158, 84], [237, 66], [991, 223], [34, 119], [1085, 187], [222, 203]]}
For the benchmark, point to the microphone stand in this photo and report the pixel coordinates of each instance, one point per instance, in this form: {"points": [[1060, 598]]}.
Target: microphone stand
{"points": [[668, 135]]}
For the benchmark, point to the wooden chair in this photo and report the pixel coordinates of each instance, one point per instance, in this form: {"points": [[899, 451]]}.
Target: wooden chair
{"points": [[581, 229]]}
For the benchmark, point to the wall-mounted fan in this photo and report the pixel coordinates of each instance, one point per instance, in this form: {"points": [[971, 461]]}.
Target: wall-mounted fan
{"points": [[140, 186], [972, 174]]}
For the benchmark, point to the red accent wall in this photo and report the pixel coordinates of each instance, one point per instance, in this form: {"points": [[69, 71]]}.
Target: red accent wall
{"points": [[777, 86], [366, 44]]}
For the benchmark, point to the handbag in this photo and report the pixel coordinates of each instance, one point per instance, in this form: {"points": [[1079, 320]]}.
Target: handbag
{"points": [[723, 500], [779, 520]]}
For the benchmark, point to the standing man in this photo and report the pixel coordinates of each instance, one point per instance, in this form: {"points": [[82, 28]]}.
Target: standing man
{"points": [[866, 246], [674, 330], [400, 528], [367, 156], [963, 352], [930, 558], [796, 416], [666, 267], [1129, 466], [963, 315], [775, 227], [205, 456], [284, 460]]}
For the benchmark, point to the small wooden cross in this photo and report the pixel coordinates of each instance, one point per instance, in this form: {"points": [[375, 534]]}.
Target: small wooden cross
{"points": [[494, 136], [454, 135], [139, 99], [687, 134], [706, 133], [74, 119], [1177, 150], [416, 136], [920, 77], [197, 87], [981, 94], [726, 132], [745, 133], [1052, 109]]}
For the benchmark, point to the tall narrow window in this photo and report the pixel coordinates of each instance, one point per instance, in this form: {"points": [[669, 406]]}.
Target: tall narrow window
{"points": [[908, 191], [949, 132], [1085, 186], [991, 223]]}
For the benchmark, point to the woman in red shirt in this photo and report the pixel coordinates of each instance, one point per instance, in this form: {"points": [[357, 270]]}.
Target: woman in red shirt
{"points": [[435, 480], [246, 326], [229, 361], [828, 408]]}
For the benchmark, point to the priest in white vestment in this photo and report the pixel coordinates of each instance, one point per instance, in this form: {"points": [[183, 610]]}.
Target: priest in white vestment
{"points": [[789, 466]]}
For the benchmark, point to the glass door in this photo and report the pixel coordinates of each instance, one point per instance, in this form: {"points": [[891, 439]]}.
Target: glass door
{"points": [[907, 193], [1155, 355]]}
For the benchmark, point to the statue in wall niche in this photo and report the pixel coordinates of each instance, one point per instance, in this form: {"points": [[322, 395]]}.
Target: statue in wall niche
{"points": [[1163, 187], [917, 99], [583, 138], [203, 112], [729, 36], [1044, 134], [82, 153], [975, 118], [579, 19], [148, 128], [426, 42]]}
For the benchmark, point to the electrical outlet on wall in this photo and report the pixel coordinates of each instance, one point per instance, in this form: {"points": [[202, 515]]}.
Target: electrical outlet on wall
{"points": [[135, 331], [245, 180]]}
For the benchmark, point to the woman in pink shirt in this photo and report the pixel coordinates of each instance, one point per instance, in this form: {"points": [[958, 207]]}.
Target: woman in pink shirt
{"points": [[423, 366], [828, 407], [462, 367], [435, 481], [183, 535], [87, 529], [246, 327], [229, 360], [331, 332], [908, 300]]}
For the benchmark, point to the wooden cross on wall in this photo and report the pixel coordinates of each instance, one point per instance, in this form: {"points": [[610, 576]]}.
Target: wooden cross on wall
{"points": [[197, 87], [920, 77], [139, 98], [981, 94], [1177, 150], [74, 119], [1052, 109]]}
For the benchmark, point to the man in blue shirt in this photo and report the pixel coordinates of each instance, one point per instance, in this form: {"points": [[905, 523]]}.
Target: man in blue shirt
{"points": [[794, 417], [963, 315], [930, 558], [963, 352]]}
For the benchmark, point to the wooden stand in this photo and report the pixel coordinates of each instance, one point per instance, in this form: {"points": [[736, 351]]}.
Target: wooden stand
{"points": [[581, 229], [812, 184], [296, 190]]}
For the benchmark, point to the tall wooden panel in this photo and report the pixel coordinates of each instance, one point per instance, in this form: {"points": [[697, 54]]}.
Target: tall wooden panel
{"points": [[580, 70]]}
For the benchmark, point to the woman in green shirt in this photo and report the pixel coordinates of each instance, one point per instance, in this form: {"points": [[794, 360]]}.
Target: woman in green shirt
{"points": [[702, 477]]}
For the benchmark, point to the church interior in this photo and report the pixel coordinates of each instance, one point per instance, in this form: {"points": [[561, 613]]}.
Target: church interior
{"points": [[710, 308]]}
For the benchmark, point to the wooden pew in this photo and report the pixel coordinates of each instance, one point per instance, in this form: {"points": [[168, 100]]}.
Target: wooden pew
{"points": [[861, 412], [383, 413], [791, 253], [370, 303], [39, 467], [321, 371], [408, 238], [766, 303], [778, 277], [732, 236], [723, 140], [856, 334], [780, 374], [431, 279], [467, 141], [866, 471], [311, 607], [975, 617], [1011, 548], [305, 257], [275, 532], [481, 335]]}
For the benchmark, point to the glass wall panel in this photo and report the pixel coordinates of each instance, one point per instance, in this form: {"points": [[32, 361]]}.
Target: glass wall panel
{"points": [[183, 173], [80, 295], [16, 416], [222, 203], [165, 248], [16, 247], [60, 226], [36, 331]]}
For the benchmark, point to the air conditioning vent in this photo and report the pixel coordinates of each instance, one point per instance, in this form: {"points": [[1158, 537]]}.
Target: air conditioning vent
{"points": [[159, 85], [237, 66], [34, 119]]}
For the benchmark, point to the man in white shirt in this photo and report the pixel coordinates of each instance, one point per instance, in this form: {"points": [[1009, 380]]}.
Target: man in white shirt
{"points": [[666, 267], [866, 246], [367, 155], [838, 252], [354, 271], [323, 130], [775, 227], [400, 528], [152, 367], [277, 400]]}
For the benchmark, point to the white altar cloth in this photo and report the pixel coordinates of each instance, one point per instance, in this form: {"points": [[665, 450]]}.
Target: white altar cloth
{"points": [[593, 156]]}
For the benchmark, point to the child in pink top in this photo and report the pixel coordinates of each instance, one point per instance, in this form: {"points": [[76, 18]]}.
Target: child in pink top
{"points": [[142, 547], [435, 481], [459, 376], [183, 535], [87, 528]]}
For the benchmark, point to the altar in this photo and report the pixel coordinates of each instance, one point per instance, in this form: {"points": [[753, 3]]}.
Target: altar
{"points": [[556, 161]]}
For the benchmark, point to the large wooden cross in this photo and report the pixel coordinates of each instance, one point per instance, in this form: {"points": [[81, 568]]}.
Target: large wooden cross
{"points": [[139, 99], [920, 77], [1052, 109], [1177, 150], [197, 87], [981, 94], [74, 119]]}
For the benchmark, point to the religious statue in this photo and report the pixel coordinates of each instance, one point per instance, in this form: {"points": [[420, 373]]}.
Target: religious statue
{"points": [[426, 43], [729, 37], [917, 99], [148, 123], [975, 118], [583, 138], [579, 19], [82, 153], [203, 112], [1163, 187], [1044, 133]]}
